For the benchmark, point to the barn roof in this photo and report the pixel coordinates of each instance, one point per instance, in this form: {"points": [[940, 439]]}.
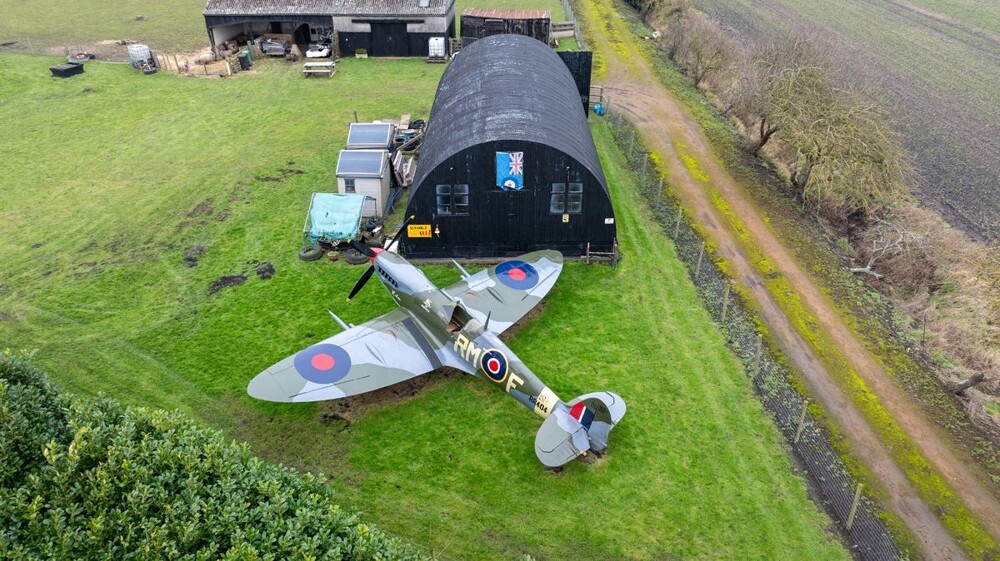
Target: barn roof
{"points": [[507, 87], [326, 7], [505, 13]]}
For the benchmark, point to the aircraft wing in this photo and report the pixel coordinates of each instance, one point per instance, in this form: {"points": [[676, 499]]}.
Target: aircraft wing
{"points": [[381, 352], [509, 290]]}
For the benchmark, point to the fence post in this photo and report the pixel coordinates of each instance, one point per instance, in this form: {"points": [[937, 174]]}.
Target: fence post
{"points": [[677, 226], [659, 198], [756, 354], [725, 303], [854, 506], [701, 255], [802, 422]]}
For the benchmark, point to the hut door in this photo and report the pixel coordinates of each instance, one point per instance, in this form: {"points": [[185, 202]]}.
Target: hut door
{"points": [[519, 210], [389, 39]]}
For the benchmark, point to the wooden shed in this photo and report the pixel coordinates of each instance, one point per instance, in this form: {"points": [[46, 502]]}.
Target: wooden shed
{"points": [[381, 27], [365, 172], [508, 164], [484, 22]]}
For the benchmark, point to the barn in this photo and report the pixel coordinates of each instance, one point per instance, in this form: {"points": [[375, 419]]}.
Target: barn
{"points": [[483, 22], [508, 164], [381, 27]]}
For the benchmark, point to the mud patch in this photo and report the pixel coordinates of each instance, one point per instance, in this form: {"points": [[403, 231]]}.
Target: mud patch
{"points": [[36, 245], [265, 271], [204, 208], [224, 282], [192, 255], [89, 273], [354, 407], [223, 215], [283, 174], [4, 316]]}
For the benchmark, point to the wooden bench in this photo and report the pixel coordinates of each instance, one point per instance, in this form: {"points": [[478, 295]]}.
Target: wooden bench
{"points": [[327, 67]]}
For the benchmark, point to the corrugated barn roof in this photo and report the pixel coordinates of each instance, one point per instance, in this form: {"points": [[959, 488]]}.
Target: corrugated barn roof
{"points": [[505, 14], [507, 87], [326, 7]]}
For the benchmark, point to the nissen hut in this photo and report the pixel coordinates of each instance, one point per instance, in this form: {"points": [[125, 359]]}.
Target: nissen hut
{"points": [[508, 164]]}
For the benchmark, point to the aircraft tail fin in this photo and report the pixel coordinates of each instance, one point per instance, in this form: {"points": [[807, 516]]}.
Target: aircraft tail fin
{"points": [[583, 425]]}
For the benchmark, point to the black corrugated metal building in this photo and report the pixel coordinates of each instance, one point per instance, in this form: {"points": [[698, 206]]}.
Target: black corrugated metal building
{"points": [[506, 102]]}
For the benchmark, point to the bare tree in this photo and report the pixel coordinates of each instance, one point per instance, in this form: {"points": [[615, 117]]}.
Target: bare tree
{"points": [[889, 240], [703, 47]]}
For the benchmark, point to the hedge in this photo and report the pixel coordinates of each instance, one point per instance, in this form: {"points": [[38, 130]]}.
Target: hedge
{"points": [[87, 478]]}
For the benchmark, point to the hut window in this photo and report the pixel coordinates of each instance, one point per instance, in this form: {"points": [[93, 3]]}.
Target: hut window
{"points": [[349, 186], [452, 199], [557, 204], [574, 200], [566, 201]]}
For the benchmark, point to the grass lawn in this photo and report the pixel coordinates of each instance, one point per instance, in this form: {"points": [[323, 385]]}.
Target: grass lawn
{"points": [[110, 176]]}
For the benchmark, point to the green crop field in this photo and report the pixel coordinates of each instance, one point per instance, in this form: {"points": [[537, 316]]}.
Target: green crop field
{"points": [[932, 63], [110, 177]]}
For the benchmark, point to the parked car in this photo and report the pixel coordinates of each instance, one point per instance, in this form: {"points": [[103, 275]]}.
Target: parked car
{"points": [[318, 50], [275, 47]]}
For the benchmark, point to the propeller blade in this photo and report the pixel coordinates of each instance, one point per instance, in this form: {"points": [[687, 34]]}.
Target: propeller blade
{"points": [[361, 282], [362, 248]]}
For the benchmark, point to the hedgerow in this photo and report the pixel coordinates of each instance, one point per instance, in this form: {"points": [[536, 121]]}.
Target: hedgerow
{"points": [[92, 479]]}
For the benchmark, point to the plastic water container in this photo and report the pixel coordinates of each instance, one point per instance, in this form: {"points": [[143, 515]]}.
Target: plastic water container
{"points": [[599, 109], [435, 47], [138, 54]]}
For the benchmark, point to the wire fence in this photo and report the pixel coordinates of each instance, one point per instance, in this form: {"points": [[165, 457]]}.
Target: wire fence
{"points": [[836, 490], [576, 26]]}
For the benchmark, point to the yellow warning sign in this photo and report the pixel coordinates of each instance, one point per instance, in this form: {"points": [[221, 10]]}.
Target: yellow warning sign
{"points": [[418, 230]]}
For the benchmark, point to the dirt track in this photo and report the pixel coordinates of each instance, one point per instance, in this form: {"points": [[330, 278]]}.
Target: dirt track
{"points": [[665, 124]]}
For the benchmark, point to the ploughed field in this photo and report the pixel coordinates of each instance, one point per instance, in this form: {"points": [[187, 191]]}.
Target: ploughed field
{"points": [[149, 228], [935, 64]]}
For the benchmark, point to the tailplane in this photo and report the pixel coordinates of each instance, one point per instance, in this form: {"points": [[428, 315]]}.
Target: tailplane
{"points": [[582, 425]]}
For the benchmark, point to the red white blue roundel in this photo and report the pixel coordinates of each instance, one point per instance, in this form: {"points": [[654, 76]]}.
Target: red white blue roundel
{"points": [[517, 274], [494, 365], [323, 363]]}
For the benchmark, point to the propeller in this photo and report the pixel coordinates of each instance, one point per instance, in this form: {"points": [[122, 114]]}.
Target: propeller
{"points": [[372, 253], [361, 282]]}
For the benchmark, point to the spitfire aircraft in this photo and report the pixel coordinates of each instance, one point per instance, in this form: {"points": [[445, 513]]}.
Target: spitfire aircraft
{"points": [[458, 326]]}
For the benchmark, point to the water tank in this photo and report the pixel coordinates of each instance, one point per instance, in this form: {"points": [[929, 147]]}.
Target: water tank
{"points": [[435, 47], [138, 54]]}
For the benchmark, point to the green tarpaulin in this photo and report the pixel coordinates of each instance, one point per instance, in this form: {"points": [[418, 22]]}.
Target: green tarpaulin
{"points": [[334, 216]]}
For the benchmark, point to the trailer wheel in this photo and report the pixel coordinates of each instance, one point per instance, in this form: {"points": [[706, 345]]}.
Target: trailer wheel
{"points": [[311, 252]]}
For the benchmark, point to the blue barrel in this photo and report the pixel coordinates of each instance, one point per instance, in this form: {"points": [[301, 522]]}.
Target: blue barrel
{"points": [[599, 109]]}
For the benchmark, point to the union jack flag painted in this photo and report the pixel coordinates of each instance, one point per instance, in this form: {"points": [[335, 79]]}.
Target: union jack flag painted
{"points": [[516, 163], [510, 170]]}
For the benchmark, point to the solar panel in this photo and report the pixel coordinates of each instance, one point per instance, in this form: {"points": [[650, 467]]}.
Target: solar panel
{"points": [[360, 163], [425, 3], [369, 135]]}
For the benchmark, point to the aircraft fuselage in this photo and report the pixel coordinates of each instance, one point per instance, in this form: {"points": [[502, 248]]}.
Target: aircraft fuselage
{"points": [[459, 339]]}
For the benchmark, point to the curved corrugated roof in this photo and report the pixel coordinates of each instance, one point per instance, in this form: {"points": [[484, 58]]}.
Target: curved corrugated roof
{"points": [[507, 87]]}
